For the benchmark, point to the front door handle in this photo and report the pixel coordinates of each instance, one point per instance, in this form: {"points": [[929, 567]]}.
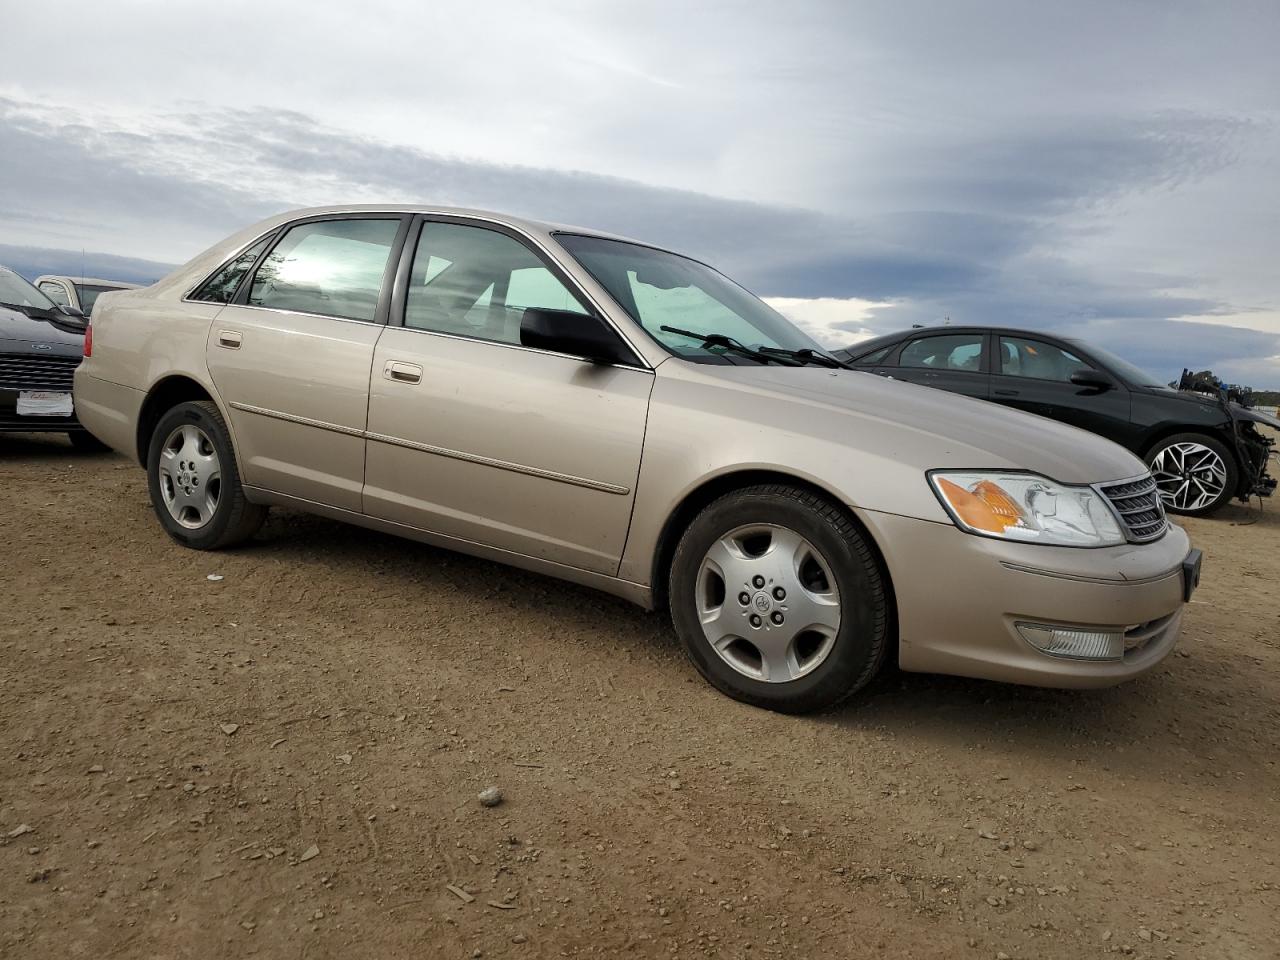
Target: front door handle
{"points": [[402, 372], [1006, 393], [230, 339]]}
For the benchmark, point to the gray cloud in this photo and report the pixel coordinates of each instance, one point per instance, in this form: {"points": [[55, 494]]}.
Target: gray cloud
{"points": [[995, 162]]}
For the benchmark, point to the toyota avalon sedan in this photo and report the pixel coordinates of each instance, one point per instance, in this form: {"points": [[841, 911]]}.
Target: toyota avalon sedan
{"points": [[621, 416]]}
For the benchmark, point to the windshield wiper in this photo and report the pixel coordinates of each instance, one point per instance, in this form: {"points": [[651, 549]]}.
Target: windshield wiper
{"points": [[805, 355], [728, 343]]}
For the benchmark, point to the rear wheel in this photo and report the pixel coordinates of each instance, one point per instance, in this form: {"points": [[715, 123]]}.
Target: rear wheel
{"points": [[1195, 473], [194, 483], [778, 599]]}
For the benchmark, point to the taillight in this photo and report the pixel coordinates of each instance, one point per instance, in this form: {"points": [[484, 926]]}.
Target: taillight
{"points": [[88, 340]]}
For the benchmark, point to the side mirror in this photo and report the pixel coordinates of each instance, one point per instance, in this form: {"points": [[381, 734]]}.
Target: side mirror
{"points": [[71, 311], [1093, 379], [566, 331]]}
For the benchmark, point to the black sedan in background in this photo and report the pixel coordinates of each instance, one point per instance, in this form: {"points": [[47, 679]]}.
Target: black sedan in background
{"points": [[41, 345], [1203, 450]]}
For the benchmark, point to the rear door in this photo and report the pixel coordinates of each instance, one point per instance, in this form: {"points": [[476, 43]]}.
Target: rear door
{"points": [[291, 354], [1035, 375], [949, 361]]}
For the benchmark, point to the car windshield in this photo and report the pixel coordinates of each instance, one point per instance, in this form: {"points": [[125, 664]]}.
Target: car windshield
{"points": [[1126, 370], [17, 292], [660, 289], [89, 294]]}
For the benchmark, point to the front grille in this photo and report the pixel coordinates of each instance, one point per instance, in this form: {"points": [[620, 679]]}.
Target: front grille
{"points": [[29, 371], [1138, 504]]}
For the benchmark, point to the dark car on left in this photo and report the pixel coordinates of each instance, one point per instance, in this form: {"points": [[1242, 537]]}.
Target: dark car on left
{"points": [[41, 344]]}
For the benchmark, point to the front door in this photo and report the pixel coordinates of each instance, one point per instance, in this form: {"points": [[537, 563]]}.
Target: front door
{"points": [[291, 356], [473, 436], [1035, 375]]}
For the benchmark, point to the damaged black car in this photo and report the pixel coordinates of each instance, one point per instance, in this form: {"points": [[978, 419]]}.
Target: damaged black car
{"points": [[1200, 438]]}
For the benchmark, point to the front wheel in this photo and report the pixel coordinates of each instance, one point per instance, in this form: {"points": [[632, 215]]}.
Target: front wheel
{"points": [[193, 479], [778, 599], [1195, 473]]}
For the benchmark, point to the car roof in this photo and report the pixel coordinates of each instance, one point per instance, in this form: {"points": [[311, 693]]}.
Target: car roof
{"points": [[866, 346], [105, 283], [524, 224]]}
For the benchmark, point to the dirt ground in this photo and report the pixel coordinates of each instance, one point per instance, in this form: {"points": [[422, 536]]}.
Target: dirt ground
{"points": [[285, 763]]}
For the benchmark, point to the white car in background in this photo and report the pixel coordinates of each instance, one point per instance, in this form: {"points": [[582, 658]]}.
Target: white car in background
{"points": [[78, 292]]}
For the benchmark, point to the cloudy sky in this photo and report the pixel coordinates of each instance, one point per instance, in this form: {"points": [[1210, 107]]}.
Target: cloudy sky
{"points": [[1108, 169]]}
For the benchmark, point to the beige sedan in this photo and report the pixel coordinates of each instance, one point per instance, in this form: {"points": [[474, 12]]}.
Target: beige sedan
{"points": [[621, 416]]}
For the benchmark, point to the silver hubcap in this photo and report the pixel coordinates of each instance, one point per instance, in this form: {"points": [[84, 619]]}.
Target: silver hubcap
{"points": [[768, 603], [1190, 476], [190, 476]]}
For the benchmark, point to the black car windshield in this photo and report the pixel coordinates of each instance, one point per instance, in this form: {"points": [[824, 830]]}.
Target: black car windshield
{"points": [[1135, 376], [660, 289], [17, 292]]}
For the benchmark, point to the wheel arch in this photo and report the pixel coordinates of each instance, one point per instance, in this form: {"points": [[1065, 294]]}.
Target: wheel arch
{"points": [[166, 393], [712, 488]]}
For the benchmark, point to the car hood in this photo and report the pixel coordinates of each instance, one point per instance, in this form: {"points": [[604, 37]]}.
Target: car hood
{"points": [[1249, 413], [932, 428], [17, 327]]}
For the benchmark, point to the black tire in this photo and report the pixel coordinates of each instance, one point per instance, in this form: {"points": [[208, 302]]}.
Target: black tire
{"points": [[235, 519], [86, 442], [862, 639], [1228, 459]]}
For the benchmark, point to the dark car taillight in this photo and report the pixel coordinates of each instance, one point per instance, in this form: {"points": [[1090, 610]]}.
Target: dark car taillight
{"points": [[88, 340]]}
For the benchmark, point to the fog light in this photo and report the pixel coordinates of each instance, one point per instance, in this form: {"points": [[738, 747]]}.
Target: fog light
{"points": [[1073, 643]]}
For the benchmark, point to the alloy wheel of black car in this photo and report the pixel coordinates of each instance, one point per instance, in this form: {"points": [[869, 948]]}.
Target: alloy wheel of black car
{"points": [[1194, 473]]}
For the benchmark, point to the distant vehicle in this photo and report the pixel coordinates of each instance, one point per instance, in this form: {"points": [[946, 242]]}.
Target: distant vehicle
{"points": [[1203, 449], [78, 292], [621, 416], [41, 344]]}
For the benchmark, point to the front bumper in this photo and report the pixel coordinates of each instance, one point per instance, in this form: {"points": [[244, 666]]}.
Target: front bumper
{"points": [[10, 422], [959, 598]]}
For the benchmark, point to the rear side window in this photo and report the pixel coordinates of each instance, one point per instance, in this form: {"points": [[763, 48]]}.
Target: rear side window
{"points": [[331, 267], [55, 292], [221, 287], [475, 282], [954, 352]]}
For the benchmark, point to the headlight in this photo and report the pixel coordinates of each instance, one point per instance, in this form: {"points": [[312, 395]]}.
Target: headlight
{"points": [[1023, 506]]}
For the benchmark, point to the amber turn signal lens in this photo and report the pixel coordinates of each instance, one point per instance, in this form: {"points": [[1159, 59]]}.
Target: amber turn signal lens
{"points": [[985, 507]]}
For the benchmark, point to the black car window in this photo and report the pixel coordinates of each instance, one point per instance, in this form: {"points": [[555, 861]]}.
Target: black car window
{"points": [[960, 351], [874, 357], [476, 282], [221, 286], [1037, 360], [329, 267]]}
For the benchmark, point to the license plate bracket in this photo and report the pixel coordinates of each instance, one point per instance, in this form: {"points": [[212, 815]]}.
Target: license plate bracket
{"points": [[45, 403]]}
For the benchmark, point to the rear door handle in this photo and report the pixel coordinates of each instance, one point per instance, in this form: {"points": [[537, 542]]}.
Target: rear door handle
{"points": [[402, 372], [230, 339], [1006, 393]]}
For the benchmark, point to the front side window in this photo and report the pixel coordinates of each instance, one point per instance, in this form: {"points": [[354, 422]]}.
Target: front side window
{"points": [[56, 292], [660, 289], [330, 267], [952, 352], [1020, 357], [221, 287], [475, 282]]}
